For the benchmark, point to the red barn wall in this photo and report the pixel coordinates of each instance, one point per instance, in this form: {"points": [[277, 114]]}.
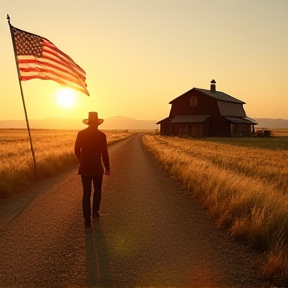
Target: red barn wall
{"points": [[205, 105], [165, 127], [215, 125], [190, 129]]}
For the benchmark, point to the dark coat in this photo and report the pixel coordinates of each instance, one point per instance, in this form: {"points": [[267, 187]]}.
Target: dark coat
{"points": [[91, 151]]}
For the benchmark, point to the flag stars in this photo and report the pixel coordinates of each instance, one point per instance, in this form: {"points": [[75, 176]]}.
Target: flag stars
{"points": [[37, 57], [27, 44]]}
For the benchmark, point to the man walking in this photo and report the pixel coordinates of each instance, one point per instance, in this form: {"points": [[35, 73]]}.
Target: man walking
{"points": [[92, 153]]}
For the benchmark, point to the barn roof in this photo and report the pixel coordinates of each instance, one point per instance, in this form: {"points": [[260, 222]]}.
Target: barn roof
{"points": [[189, 119], [163, 120], [220, 96], [239, 120], [231, 109], [251, 120], [217, 95]]}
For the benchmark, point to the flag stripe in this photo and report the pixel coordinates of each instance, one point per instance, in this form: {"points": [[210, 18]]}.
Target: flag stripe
{"points": [[57, 51], [36, 65], [37, 57], [50, 53], [47, 60], [49, 74], [56, 79]]}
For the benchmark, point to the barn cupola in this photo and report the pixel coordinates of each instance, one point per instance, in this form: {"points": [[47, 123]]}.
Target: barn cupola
{"points": [[213, 86]]}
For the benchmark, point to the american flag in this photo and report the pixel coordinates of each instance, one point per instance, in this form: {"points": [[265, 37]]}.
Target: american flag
{"points": [[37, 57]]}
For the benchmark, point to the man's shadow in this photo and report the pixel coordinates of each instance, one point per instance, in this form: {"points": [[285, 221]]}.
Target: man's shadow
{"points": [[98, 269]]}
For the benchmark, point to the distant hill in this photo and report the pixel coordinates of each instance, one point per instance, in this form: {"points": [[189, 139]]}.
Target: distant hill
{"points": [[271, 123], [121, 122], [117, 122]]}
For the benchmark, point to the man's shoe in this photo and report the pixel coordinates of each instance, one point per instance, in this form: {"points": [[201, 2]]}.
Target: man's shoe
{"points": [[96, 216]]}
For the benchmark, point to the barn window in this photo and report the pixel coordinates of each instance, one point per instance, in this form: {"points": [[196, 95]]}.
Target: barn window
{"points": [[193, 101]]}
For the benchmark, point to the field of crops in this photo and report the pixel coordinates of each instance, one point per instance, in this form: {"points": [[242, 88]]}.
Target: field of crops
{"points": [[281, 132], [242, 182], [53, 153]]}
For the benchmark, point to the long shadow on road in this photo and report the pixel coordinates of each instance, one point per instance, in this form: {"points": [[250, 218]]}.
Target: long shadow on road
{"points": [[98, 269]]}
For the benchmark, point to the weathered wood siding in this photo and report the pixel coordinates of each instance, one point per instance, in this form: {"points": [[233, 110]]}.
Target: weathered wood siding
{"points": [[165, 127], [205, 105]]}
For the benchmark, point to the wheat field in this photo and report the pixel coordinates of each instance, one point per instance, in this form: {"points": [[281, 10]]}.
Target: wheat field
{"points": [[54, 152], [243, 186], [243, 182]]}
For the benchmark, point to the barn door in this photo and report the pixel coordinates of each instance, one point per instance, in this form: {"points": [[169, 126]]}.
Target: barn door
{"points": [[197, 130]]}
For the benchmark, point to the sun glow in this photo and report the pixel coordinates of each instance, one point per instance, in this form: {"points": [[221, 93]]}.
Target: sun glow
{"points": [[66, 97]]}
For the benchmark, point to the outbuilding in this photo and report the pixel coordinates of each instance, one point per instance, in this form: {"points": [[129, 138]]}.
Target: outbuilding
{"points": [[203, 113]]}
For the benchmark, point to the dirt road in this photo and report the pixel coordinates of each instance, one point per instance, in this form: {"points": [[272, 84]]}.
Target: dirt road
{"points": [[151, 234]]}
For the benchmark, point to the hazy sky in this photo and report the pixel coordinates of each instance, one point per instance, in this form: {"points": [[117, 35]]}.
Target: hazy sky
{"points": [[141, 54]]}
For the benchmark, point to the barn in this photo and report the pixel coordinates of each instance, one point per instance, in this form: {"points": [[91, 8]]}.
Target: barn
{"points": [[207, 113]]}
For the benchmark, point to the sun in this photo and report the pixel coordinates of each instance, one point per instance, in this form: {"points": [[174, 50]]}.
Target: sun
{"points": [[66, 97]]}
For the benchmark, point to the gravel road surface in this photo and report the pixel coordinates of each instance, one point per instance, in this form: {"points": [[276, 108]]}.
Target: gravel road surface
{"points": [[151, 233]]}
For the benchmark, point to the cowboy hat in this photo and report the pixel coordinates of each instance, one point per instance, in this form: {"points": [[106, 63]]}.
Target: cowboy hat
{"points": [[93, 118]]}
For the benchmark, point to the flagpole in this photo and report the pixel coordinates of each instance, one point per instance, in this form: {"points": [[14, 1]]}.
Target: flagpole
{"points": [[23, 101]]}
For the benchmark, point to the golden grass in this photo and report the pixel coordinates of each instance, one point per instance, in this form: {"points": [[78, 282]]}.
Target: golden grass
{"points": [[54, 152], [280, 132], [244, 188]]}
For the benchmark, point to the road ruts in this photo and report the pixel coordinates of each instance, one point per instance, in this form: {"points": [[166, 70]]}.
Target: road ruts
{"points": [[151, 233]]}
